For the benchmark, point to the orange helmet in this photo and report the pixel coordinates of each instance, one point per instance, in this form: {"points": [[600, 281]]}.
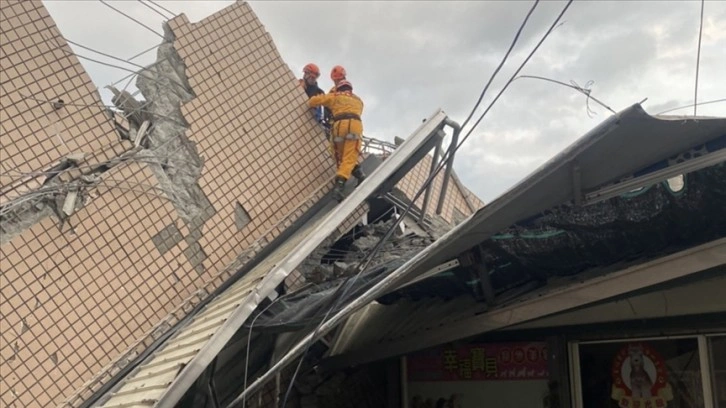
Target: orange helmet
{"points": [[311, 69], [337, 73], [343, 84]]}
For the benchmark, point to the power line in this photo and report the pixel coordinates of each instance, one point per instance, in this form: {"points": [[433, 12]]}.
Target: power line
{"points": [[552, 27], [585, 91], [131, 18], [140, 54], [693, 104], [162, 7], [104, 54], [60, 47], [698, 61], [249, 341], [496, 71], [101, 105], [154, 10], [143, 68]]}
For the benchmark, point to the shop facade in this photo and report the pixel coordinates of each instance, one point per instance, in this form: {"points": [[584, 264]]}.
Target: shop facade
{"points": [[617, 354], [673, 371]]}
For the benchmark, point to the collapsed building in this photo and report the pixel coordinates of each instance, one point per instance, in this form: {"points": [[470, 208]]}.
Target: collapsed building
{"points": [[119, 222], [184, 281]]}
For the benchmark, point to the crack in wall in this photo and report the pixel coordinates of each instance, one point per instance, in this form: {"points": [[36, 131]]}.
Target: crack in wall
{"points": [[165, 87], [53, 197], [172, 157]]}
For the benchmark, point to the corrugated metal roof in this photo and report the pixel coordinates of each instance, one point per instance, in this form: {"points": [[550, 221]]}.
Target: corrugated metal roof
{"points": [[146, 385], [619, 146]]}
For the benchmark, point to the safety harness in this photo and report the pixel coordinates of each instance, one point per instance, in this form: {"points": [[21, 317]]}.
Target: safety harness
{"points": [[349, 136]]}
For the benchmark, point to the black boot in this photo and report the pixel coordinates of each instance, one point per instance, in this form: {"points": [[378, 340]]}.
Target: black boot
{"points": [[358, 174], [338, 186]]}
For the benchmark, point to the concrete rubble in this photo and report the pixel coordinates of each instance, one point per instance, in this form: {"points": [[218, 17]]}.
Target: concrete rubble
{"points": [[398, 246]]}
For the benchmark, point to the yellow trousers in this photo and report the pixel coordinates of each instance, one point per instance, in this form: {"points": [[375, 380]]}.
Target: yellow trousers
{"points": [[346, 155]]}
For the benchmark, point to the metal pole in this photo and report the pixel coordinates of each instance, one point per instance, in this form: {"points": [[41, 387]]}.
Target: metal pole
{"points": [[704, 356], [449, 163], [434, 163]]}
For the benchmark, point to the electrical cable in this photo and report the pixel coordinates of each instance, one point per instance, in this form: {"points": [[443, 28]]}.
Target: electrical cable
{"points": [[132, 72], [162, 7], [431, 177], [60, 47], [154, 10], [506, 85], [688, 106], [81, 105], [249, 338], [585, 91], [103, 53], [52, 190], [496, 71], [17, 174], [698, 61], [48, 190], [101, 105], [140, 54], [131, 18]]}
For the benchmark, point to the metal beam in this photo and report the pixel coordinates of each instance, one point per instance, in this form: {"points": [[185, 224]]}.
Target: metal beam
{"points": [[432, 169], [485, 282], [687, 166], [552, 300]]}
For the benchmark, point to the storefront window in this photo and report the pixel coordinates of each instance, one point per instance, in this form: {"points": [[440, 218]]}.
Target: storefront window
{"points": [[718, 368], [641, 374]]}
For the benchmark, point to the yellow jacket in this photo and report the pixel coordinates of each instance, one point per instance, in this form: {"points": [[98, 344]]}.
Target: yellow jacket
{"points": [[346, 108]]}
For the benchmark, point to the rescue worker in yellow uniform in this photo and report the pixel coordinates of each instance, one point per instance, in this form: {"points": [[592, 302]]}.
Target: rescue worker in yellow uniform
{"points": [[346, 131], [337, 74]]}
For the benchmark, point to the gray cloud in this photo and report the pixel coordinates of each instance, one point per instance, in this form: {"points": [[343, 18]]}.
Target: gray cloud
{"points": [[407, 59]]}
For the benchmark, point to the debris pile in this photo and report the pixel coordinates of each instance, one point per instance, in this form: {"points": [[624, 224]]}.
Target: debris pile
{"points": [[400, 246]]}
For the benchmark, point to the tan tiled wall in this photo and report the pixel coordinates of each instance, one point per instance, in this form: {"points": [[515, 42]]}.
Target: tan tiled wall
{"points": [[75, 296], [38, 67], [260, 142], [453, 200]]}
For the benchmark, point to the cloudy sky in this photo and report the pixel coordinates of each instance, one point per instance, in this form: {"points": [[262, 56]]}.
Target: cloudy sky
{"points": [[406, 59]]}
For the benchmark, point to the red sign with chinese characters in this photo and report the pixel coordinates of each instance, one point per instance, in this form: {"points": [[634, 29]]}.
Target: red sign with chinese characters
{"points": [[481, 362]]}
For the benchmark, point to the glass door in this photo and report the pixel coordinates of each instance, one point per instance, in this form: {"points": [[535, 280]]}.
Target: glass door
{"points": [[664, 372], [717, 352]]}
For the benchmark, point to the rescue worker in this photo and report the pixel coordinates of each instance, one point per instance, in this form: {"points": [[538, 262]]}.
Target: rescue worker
{"points": [[346, 132], [309, 81], [337, 74]]}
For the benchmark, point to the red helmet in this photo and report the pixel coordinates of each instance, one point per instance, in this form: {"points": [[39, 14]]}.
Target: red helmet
{"points": [[311, 69], [342, 84], [337, 73]]}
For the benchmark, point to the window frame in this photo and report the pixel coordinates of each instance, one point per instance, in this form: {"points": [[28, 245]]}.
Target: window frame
{"points": [[704, 355]]}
